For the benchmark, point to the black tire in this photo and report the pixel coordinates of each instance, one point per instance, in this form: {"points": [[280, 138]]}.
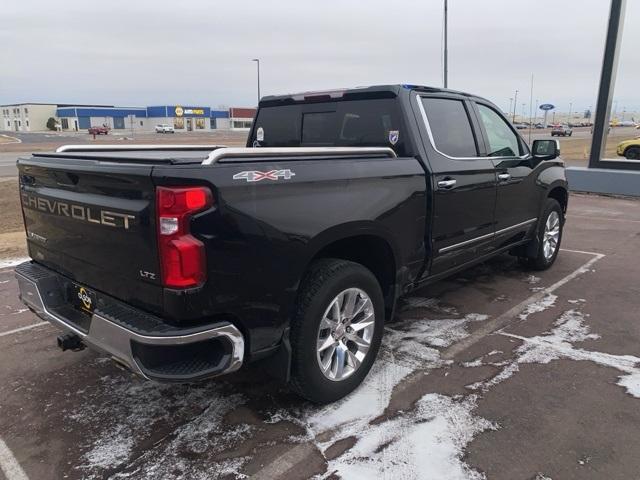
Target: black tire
{"points": [[326, 279], [632, 153], [570, 133], [539, 261]]}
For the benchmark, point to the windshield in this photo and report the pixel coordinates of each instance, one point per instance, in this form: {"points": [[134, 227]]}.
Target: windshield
{"points": [[354, 123]]}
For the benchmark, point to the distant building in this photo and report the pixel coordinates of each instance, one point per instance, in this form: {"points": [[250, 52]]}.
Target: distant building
{"points": [[117, 118], [26, 117], [33, 117], [241, 118]]}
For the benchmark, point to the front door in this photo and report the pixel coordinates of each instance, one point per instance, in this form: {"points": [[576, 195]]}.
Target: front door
{"points": [[517, 199], [189, 124], [464, 184]]}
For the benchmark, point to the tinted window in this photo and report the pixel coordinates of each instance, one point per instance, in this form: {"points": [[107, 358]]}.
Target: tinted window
{"points": [[347, 123], [503, 142], [281, 126], [450, 126]]}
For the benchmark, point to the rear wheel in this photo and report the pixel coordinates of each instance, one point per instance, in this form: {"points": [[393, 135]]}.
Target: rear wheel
{"points": [[632, 153], [337, 330], [549, 236]]}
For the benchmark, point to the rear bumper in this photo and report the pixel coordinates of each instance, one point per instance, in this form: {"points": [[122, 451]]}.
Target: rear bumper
{"points": [[142, 342]]}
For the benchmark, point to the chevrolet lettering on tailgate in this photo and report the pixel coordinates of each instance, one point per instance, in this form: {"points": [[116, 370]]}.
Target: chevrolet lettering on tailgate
{"points": [[78, 212]]}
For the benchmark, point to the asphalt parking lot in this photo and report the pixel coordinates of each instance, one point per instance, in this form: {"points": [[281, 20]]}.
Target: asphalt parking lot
{"points": [[497, 372]]}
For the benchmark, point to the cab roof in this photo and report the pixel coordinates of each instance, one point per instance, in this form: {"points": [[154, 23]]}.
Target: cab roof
{"points": [[374, 91]]}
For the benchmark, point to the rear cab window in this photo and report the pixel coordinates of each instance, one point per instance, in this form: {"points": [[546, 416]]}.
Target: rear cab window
{"points": [[343, 123], [449, 127]]}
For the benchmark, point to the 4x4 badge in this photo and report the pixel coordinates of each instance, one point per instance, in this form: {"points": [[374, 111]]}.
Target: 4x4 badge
{"points": [[256, 175]]}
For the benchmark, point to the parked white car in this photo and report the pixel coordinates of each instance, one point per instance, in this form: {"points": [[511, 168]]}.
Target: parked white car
{"points": [[164, 128]]}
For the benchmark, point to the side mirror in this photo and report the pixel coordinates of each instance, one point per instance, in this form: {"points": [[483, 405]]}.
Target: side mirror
{"points": [[545, 149]]}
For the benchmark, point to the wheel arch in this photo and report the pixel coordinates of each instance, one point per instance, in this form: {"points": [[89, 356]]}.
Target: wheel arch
{"points": [[366, 244], [561, 194]]}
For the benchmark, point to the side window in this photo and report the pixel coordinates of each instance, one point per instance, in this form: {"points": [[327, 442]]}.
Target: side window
{"points": [[503, 142], [450, 126]]}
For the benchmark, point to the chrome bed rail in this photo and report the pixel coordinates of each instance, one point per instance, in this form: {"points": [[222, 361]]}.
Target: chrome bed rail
{"points": [[222, 152], [259, 152], [142, 147]]}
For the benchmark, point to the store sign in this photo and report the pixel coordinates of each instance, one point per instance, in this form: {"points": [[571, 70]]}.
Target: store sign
{"points": [[180, 111], [547, 106]]}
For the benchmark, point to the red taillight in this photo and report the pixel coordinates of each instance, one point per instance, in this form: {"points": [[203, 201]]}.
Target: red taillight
{"points": [[182, 256]]}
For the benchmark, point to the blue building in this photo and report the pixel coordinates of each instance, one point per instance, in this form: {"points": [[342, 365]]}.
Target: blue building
{"points": [[181, 117]]}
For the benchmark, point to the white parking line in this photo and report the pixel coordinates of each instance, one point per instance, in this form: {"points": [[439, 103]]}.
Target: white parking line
{"points": [[504, 319], [9, 465], [595, 254], [22, 329]]}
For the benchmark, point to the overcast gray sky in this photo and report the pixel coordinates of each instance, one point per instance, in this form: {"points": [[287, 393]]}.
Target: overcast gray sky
{"points": [[145, 52]]}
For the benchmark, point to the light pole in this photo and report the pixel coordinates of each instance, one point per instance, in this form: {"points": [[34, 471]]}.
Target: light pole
{"points": [[515, 104], [446, 47], [510, 104], [257, 60], [570, 107]]}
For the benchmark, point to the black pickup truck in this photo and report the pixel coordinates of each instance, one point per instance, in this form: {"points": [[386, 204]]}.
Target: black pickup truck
{"points": [[184, 262]]}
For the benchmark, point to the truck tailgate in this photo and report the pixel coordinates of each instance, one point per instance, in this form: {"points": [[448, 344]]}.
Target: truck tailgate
{"points": [[94, 221]]}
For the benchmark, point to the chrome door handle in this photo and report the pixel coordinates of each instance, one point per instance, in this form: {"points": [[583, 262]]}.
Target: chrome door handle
{"points": [[447, 183], [503, 177]]}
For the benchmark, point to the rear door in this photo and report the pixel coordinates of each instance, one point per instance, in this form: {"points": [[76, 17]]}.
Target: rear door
{"points": [[94, 221], [517, 200], [464, 183]]}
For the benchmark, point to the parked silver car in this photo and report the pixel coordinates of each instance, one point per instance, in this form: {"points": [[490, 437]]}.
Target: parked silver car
{"points": [[164, 128], [561, 131]]}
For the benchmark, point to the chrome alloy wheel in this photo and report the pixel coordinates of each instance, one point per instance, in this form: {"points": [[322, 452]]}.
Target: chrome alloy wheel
{"points": [[345, 334], [551, 235]]}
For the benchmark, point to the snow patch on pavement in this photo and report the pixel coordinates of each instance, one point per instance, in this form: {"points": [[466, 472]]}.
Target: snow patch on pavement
{"points": [[557, 344], [129, 412], [427, 442], [541, 305]]}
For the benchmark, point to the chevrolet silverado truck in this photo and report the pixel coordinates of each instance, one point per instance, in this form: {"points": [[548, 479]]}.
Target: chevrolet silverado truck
{"points": [[186, 262]]}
